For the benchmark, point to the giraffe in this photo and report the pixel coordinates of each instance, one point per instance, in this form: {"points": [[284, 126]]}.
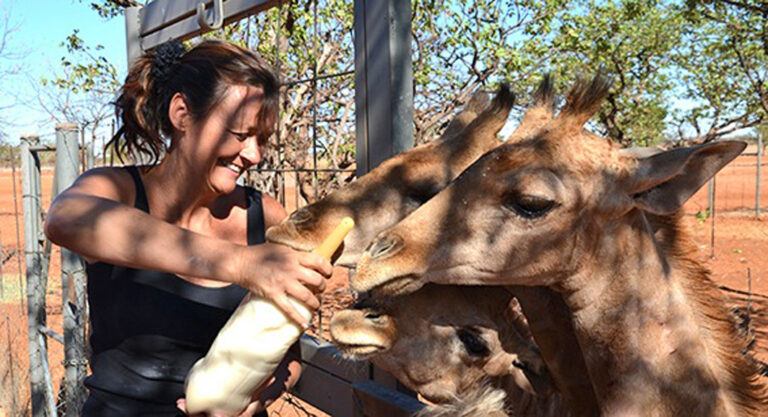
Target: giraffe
{"points": [[439, 343], [567, 210], [401, 184]]}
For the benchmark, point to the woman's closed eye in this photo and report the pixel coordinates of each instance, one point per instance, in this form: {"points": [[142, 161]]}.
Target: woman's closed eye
{"points": [[241, 136]]}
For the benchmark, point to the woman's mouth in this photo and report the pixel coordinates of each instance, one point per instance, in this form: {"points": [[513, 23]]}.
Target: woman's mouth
{"points": [[232, 167]]}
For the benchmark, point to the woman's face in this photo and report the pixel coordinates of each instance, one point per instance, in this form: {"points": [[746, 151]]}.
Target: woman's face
{"points": [[226, 142]]}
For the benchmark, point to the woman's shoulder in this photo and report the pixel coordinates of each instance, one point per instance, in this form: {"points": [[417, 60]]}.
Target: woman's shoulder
{"points": [[274, 212], [114, 183]]}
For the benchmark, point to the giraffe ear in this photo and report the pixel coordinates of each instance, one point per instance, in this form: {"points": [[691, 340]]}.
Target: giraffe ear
{"points": [[662, 183]]}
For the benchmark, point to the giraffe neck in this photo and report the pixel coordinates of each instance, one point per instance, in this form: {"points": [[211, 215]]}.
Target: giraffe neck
{"points": [[644, 346]]}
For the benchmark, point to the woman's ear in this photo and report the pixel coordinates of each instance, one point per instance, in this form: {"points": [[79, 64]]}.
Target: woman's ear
{"points": [[178, 112]]}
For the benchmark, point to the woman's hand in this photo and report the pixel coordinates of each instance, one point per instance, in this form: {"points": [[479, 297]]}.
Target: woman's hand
{"points": [[250, 411], [276, 272]]}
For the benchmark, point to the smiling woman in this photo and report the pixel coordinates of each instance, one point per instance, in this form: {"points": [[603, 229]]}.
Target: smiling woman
{"points": [[175, 245]]}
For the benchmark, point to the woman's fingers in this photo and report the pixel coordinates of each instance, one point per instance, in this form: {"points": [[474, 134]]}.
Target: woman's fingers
{"points": [[181, 404], [252, 409], [283, 304], [316, 262], [304, 295], [313, 280]]}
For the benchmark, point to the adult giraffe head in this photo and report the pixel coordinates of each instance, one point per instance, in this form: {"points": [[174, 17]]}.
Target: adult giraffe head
{"points": [[402, 183]]}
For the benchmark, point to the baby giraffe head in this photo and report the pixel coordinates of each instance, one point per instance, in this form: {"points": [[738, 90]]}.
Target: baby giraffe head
{"points": [[439, 342], [536, 211]]}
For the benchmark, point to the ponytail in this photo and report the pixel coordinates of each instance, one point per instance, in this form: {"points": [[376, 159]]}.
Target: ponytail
{"points": [[202, 75]]}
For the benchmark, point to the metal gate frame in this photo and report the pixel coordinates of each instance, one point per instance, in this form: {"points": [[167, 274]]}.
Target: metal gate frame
{"points": [[383, 128]]}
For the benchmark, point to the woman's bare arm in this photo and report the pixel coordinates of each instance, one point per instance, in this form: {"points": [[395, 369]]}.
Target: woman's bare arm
{"points": [[94, 219]]}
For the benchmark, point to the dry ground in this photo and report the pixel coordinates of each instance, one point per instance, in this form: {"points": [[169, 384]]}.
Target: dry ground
{"points": [[740, 251]]}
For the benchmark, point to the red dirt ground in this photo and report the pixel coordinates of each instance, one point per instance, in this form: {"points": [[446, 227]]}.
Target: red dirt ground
{"points": [[740, 250]]}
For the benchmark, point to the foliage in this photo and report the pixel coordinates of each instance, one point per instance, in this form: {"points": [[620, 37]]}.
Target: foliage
{"points": [[85, 87], [461, 46], [632, 40], [111, 8], [702, 215], [682, 69], [724, 65]]}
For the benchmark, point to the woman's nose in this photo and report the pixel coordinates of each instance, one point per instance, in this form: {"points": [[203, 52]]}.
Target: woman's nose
{"points": [[251, 151]]}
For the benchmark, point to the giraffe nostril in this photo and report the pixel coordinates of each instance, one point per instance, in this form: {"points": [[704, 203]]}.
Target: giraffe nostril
{"points": [[385, 246], [301, 216]]}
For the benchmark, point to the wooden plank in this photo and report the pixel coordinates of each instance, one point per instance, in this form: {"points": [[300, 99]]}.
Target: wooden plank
{"points": [[323, 355], [373, 400], [325, 391]]}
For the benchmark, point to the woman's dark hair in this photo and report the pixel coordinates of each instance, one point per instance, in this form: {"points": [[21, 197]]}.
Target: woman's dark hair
{"points": [[202, 75]]}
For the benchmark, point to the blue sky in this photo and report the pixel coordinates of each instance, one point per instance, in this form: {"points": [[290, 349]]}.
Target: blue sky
{"points": [[41, 26]]}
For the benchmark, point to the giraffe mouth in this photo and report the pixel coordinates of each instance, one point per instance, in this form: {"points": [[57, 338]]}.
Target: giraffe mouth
{"points": [[400, 285], [359, 351]]}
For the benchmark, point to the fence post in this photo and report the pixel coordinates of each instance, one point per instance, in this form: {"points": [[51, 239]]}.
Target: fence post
{"points": [[759, 161], [383, 81], [72, 279], [43, 402], [90, 154]]}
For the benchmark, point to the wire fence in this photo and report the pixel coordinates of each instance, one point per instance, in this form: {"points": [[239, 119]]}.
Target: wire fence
{"points": [[734, 198]]}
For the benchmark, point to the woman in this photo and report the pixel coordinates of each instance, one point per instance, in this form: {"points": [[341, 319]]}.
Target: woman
{"points": [[173, 247]]}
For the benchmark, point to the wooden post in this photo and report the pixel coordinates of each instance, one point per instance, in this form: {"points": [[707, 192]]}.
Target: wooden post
{"points": [[43, 403], [72, 279]]}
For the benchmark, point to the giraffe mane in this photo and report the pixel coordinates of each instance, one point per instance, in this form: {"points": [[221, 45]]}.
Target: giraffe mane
{"points": [[738, 371]]}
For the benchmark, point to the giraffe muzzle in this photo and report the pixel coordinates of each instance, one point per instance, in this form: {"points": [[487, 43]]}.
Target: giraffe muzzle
{"points": [[301, 217], [385, 247]]}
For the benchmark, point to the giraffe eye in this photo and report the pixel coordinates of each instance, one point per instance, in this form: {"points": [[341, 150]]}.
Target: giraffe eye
{"points": [[422, 193], [473, 342], [529, 206]]}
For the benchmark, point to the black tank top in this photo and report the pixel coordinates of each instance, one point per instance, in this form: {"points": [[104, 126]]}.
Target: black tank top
{"points": [[148, 328]]}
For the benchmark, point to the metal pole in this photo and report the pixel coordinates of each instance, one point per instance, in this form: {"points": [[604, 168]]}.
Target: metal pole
{"points": [[712, 216], [72, 278], [18, 229], [749, 304], [132, 34], [280, 156], [90, 154], [43, 403], [383, 81], [759, 177], [111, 148], [314, 99], [14, 387], [81, 149]]}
